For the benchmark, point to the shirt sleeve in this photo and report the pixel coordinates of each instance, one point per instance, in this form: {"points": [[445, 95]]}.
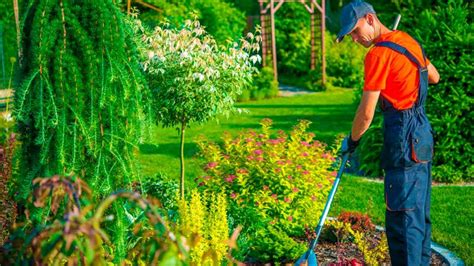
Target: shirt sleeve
{"points": [[376, 69]]}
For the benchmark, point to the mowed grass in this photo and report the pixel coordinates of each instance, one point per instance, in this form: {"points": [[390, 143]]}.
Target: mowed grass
{"points": [[331, 113]]}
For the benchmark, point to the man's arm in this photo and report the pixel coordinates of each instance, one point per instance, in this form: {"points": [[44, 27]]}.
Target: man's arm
{"points": [[433, 75], [365, 114]]}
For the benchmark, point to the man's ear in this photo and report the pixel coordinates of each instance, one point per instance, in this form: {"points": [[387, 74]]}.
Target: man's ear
{"points": [[370, 19]]}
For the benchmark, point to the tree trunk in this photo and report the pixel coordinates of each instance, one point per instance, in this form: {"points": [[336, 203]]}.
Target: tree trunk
{"points": [[183, 127]]}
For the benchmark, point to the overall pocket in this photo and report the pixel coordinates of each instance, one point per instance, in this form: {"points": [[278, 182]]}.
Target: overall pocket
{"points": [[422, 143]]}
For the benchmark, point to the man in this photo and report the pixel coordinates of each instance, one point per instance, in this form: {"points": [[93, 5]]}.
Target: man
{"points": [[397, 74]]}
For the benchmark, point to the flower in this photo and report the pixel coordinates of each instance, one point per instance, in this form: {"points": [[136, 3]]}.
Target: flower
{"points": [[334, 173], [287, 200], [259, 159], [290, 218], [304, 154], [211, 165], [233, 195], [265, 187], [230, 178], [295, 189], [290, 177], [305, 172], [258, 152], [313, 198], [275, 196]]}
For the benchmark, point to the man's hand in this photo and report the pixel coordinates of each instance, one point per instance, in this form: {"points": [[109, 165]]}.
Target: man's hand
{"points": [[348, 145]]}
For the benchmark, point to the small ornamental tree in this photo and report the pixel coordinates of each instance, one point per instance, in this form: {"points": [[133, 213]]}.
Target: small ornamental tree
{"points": [[193, 79]]}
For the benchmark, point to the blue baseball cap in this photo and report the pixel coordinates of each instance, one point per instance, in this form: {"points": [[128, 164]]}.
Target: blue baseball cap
{"points": [[350, 14]]}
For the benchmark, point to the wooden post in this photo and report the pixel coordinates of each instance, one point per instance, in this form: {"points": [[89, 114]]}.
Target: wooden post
{"points": [[313, 56], [323, 49], [264, 37], [274, 55], [129, 3]]}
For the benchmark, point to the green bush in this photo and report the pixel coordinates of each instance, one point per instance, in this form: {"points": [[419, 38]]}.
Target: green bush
{"points": [[279, 181], [447, 33], [264, 86]]}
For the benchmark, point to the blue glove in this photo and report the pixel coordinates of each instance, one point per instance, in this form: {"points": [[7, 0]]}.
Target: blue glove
{"points": [[348, 145]]}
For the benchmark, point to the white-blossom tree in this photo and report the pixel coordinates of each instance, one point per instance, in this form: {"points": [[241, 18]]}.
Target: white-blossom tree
{"points": [[192, 78]]}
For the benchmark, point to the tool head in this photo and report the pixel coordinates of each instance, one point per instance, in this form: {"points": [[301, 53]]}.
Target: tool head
{"points": [[307, 259]]}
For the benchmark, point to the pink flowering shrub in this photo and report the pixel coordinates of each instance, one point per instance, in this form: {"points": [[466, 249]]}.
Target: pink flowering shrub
{"points": [[285, 179]]}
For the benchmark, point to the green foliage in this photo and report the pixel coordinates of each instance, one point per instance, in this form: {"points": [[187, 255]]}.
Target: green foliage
{"points": [[447, 33], [274, 245], [264, 86], [345, 63], [81, 104], [204, 222], [8, 41], [282, 181], [221, 19]]}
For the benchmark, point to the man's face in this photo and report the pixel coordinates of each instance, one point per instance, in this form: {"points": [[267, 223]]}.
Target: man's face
{"points": [[364, 33]]}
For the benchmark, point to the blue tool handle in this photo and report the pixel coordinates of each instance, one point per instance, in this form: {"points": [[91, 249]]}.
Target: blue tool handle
{"points": [[319, 228]]}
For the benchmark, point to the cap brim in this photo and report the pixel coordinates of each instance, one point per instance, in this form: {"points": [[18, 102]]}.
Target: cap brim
{"points": [[344, 31]]}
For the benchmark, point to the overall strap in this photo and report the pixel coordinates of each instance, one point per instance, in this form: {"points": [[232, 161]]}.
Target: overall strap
{"points": [[402, 50], [423, 86]]}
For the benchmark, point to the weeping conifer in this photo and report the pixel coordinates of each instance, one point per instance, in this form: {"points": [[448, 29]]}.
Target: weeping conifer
{"points": [[80, 107]]}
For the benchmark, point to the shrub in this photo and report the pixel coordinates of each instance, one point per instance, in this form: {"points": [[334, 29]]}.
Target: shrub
{"points": [[358, 221], [447, 36], [280, 180], [264, 86], [203, 221]]}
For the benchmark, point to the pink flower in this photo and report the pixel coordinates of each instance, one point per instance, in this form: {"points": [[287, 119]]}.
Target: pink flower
{"points": [[334, 173], [250, 157], [304, 154], [305, 172], [211, 165], [281, 140], [290, 218], [281, 162], [265, 187], [258, 152], [325, 155], [226, 157], [277, 170], [320, 185], [230, 178], [287, 200], [258, 143], [313, 198], [295, 189], [248, 140], [311, 135], [273, 141], [275, 196], [290, 177], [299, 166], [305, 143], [289, 162], [259, 159], [233, 195], [206, 177], [261, 135]]}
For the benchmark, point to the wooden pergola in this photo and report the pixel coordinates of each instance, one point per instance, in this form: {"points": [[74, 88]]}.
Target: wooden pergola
{"points": [[268, 8]]}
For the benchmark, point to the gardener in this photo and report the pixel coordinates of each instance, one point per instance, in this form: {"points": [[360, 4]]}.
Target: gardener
{"points": [[397, 74]]}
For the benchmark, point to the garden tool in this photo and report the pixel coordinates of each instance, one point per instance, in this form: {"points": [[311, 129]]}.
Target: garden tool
{"points": [[309, 257]]}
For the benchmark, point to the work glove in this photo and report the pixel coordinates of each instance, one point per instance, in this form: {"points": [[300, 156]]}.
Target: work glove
{"points": [[348, 145]]}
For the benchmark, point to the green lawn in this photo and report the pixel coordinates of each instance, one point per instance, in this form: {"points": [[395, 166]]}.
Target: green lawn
{"points": [[331, 114]]}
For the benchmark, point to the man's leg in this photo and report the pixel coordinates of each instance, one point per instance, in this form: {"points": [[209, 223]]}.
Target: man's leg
{"points": [[405, 192], [426, 252]]}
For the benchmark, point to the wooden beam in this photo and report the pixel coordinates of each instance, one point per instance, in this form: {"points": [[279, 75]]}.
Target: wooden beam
{"points": [[321, 9], [278, 6], [148, 5]]}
